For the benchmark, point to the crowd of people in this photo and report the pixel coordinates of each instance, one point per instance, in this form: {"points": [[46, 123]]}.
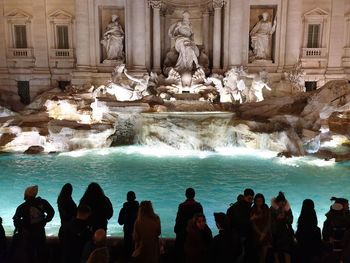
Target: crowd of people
{"points": [[250, 231]]}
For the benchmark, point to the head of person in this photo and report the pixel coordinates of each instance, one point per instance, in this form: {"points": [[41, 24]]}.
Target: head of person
{"points": [[248, 195], [131, 196], [146, 210], [259, 200], [221, 221], [199, 221], [265, 16], [190, 193], [280, 200], [100, 237], [114, 18], [66, 192], [307, 216], [344, 202], [93, 192], [31, 192], [186, 16], [83, 212]]}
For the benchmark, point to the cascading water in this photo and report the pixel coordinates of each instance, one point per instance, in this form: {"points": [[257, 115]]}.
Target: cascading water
{"points": [[187, 130], [208, 131]]}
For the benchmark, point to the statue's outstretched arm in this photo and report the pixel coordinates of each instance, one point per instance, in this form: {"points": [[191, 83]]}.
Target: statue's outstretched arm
{"points": [[131, 77]]}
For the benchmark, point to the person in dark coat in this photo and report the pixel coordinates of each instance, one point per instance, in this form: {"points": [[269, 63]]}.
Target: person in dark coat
{"points": [[29, 221], [185, 212], [66, 206], [74, 235], [281, 228], [3, 243], [127, 218], [308, 234], [239, 219], [225, 245], [260, 218], [100, 205], [198, 240]]}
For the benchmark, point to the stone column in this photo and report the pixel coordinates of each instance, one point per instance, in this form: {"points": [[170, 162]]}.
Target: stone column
{"points": [[156, 5], [217, 5], [39, 33], [3, 61], [336, 42], [82, 36], [136, 33], [293, 32], [236, 33], [205, 29]]}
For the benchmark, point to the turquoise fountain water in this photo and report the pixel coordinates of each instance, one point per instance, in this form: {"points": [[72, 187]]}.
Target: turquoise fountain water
{"points": [[162, 174]]}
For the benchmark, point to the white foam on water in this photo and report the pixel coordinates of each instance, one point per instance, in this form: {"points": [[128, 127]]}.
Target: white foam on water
{"points": [[306, 160]]}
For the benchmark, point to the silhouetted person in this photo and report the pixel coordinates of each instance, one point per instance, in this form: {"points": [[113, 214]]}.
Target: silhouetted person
{"points": [[100, 205], [225, 246], [74, 235], [239, 219], [198, 240], [96, 248], [281, 228], [3, 243], [29, 221], [185, 212], [66, 206], [335, 227], [147, 230], [308, 234], [127, 218], [260, 218]]}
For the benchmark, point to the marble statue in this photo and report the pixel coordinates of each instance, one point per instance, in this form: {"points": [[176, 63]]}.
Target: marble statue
{"points": [[141, 88], [261, 38], [113, 40], [182, 33]]}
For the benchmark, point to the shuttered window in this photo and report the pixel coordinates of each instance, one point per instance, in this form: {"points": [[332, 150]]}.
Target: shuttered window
{"points": [[62, 37], [313, 36], [20, 36]]}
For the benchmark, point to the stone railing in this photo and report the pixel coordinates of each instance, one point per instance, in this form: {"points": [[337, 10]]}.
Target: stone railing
{"points": [[314, 52], [62, 53], [20, 53]]}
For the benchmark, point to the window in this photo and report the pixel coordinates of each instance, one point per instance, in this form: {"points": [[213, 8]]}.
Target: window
{"points": [[62, 84], [310, 85], [20, 36], [62, 37], [313, 36], [23, 91]]}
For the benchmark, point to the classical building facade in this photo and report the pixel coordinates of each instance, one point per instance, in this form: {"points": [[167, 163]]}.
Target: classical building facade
{"points": [[54, 43]]}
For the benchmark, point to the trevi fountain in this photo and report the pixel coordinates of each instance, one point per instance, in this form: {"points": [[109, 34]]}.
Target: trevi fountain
{"points": [[184, 125]]}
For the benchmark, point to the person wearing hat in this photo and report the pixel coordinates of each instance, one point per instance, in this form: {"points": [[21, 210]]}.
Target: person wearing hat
{"points": [[29, 221], [226, 246], [127, 218]]}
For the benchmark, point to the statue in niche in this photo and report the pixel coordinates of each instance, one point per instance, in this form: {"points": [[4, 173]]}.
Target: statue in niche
{"points": [[261, 36], [113, 40], [182, 33]]}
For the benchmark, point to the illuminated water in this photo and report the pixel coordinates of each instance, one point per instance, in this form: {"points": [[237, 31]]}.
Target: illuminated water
{"points": [[161, 175]]}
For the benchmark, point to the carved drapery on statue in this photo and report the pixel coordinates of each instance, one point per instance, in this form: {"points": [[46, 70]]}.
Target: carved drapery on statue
{"points": [[113, 39], [261, 38], [187, 50]]}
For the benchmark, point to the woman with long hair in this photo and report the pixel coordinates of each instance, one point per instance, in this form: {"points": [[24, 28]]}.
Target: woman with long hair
{"points": [[198, 240], [66, 205], [260, 217], [308, 234], [281, 228], [100, 205], [146, 234]]}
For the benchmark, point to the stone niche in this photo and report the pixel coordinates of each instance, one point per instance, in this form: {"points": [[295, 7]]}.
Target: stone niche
{"points": [[105, 13], [256, 12]]}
